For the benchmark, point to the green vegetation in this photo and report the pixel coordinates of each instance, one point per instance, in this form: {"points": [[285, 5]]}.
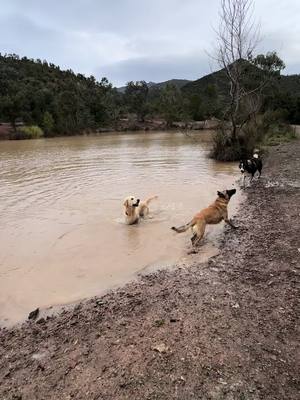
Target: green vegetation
{"points": [[275, 130], [171, 106], [279, 136], [135, 97], [27, 132], [63, 103]]}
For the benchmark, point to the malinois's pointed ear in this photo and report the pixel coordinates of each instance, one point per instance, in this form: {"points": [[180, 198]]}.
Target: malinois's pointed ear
{"points": [[220, 194]]}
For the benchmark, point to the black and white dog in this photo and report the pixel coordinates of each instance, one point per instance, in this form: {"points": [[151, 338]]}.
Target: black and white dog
{"points": [[250, 167]]}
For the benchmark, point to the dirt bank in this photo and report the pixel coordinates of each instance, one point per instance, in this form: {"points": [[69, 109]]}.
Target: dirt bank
{"points": [[227, 329]]}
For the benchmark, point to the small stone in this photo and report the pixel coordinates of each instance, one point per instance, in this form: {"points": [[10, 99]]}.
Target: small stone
{"points": [[7, 373], [38, 356], [161, 348], [33, 314], [222, 381]]}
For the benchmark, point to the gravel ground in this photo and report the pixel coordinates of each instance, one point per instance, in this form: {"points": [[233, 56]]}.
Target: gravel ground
{"points": [[226, 329]]}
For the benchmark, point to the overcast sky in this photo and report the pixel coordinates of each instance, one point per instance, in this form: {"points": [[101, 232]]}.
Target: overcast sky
{"points": [[124, 40]]}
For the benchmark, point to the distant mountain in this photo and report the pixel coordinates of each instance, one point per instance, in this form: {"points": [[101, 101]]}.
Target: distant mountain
{"points": [[177, 82]]}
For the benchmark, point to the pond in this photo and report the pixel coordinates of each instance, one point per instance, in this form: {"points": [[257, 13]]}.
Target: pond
{"points": [[62, 231]]}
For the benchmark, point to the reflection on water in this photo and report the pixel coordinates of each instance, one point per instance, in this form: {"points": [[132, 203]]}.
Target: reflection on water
{"points": [[62, 235]]}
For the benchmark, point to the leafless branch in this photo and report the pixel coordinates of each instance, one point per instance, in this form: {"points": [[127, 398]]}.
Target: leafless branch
{"points": [[237, 37]]}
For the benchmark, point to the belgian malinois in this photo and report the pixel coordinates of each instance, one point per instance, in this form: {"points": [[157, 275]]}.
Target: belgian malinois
{"points": [[213, 214]]}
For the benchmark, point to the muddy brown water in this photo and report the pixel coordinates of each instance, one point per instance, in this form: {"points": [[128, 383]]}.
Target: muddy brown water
{"points": [[62, 235]]}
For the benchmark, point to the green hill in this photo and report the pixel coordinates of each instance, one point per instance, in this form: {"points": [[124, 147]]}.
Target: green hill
{"points": [[211, 93], [285, 83], [61, 102]]}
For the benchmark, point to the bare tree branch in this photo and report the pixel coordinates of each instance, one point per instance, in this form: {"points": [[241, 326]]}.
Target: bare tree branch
{"points": [[237, 38]]}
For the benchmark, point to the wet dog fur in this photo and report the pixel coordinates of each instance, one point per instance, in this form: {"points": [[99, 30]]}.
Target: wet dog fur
{"points": [[250, 167], [213, 214], [135, 209]]}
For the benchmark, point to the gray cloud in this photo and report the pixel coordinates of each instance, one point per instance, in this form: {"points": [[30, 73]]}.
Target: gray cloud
{"points": [[189, 66], [136, 39]]}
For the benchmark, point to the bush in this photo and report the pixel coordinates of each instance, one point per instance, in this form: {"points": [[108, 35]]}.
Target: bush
{"points": [[280, 133], [225, 149], [27, 132], [268, 129], [274, 129], [48, 123]]}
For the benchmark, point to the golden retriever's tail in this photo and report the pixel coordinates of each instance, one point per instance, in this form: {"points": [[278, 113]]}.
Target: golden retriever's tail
{"points": [[150, 199], [183, 228]]}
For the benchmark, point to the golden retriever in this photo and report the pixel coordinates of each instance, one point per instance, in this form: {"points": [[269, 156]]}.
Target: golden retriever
{"points": [[135, 209]]}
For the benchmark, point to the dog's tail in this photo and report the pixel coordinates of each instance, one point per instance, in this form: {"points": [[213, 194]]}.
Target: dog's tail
{"points": [[150, 199], [183, 228], [256, 153]]}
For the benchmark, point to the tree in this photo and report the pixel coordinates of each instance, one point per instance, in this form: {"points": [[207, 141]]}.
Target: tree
{"points": [[238, 36], [48, 123], [171, 105], [196, 109], [136, 94], [59, 101]]}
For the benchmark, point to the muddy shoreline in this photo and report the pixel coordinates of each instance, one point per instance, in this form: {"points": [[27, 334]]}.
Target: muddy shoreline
{"points": [[225, 329], [7, 132]]}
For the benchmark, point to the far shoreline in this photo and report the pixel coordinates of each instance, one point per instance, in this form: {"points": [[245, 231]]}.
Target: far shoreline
{"points": [[149, 126]]}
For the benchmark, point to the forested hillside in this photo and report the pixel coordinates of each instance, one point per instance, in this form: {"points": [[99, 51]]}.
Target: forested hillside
{"points": [[211, 92], [61, 102], [58, 101]]}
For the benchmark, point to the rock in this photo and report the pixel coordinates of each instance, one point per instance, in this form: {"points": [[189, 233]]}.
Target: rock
{"points": [[39, 356], [7, 373], [159, 322], [33, 314], [16, 397], [222, 381], [160, 348]]}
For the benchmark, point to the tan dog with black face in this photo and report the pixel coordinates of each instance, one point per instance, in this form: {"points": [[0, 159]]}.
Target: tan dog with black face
{"points": [[135, 209], [213, 214]]}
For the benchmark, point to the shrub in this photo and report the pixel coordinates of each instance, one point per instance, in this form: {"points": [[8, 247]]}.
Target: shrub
{"points": [[225, 149], [48, 123], [279, 133], [267, 129], [274, 129], [27, 132]]}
